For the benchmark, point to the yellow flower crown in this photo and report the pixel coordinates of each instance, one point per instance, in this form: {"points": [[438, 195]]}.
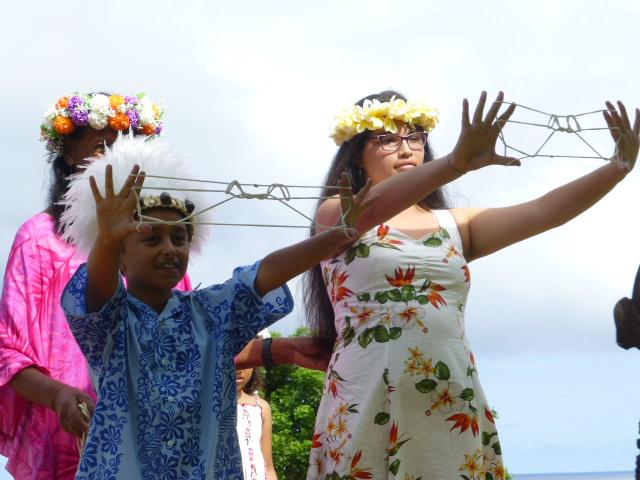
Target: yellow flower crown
{"points": [[376, 115]]}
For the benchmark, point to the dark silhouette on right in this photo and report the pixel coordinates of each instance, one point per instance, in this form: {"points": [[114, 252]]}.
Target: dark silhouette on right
{"points": [[627, 317], [626, 314]]}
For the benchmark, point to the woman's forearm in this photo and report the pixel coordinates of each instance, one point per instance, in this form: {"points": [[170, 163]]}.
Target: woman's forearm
{"points": [[568, 201], [35, 386], [251, 356]]}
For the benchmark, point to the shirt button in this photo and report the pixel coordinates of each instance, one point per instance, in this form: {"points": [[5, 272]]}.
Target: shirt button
{"points": [[165, 362], [171, 398], [171, 442]]}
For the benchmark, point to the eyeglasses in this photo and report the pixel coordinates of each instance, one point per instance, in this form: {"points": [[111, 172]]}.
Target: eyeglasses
{"points": [[391, 142]]}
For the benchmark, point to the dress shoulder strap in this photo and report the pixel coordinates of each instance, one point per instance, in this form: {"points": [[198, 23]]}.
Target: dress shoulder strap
{"points": [[448, 222]]}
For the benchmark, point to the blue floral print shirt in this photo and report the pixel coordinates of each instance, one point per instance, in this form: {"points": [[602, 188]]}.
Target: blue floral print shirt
{"points": [[166, 382]]}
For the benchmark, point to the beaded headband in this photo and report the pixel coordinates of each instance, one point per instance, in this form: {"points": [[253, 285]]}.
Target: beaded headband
{"points": [[155, 157], [165, 200], [97, 110], [376, 115]]}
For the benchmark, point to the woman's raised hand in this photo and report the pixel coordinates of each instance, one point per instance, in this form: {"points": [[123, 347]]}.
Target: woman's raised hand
{"points": [[476, 146], [626, 138], [115, 212]]}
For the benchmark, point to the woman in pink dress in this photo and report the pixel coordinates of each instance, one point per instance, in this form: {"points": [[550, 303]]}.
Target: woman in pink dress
{"points": [[43, 374]]}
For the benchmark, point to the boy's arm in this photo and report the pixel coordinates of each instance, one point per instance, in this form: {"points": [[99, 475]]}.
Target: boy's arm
{"points": [[115, 222], [282, 265]]}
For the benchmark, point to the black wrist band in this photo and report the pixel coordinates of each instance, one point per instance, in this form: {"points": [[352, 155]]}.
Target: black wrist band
{"points": [[267, 355]]}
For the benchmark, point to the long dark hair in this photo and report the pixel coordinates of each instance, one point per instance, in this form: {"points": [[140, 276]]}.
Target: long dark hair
{"points": [[59, 183], [318, 308]]}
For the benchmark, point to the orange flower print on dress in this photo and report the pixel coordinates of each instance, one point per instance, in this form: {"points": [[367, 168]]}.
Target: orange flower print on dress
{"points": [[472, 465], [411, 315], [363, 314], [464, 421], [402, 278], [337, 290], [447, 397], [452, 252], [358, 472], [434, 297], [382, 232], [395, 441], [467, 273], [336, 454], [489, 414], [316, 443]]}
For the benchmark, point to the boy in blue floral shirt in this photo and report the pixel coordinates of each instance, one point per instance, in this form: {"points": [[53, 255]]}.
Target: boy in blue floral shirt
{"points": [[162, 360]]}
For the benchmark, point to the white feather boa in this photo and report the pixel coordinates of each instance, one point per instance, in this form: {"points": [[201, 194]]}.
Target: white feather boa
{"points": [[155, 157]]}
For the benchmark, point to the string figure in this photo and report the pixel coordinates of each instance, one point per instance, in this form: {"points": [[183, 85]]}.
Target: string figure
{"points": [[563, 124], [281, 193], [235, 190]]}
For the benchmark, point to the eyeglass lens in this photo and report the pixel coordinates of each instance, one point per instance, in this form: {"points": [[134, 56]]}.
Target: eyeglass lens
{"points": [[392, 141]]}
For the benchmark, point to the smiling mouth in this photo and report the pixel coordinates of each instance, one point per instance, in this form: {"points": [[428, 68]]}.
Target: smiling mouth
{"points": [[168, 266]]}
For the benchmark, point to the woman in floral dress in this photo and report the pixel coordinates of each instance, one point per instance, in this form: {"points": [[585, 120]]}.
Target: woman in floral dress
{"points": [[402, 399]]}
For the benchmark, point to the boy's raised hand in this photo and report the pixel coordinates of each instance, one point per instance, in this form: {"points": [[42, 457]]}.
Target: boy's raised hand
{"points": [[115, 212], [353, 206]]}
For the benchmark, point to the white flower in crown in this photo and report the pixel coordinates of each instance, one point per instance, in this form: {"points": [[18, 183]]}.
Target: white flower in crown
{"points": [[146, 111], [99, 104], [48, 116], [98, 120]]}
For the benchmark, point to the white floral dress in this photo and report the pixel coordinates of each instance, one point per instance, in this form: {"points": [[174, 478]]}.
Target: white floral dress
{"points": [[402, 399]]}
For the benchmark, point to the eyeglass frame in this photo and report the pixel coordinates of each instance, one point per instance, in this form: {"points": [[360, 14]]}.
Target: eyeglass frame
{"points": [[424, 134]]}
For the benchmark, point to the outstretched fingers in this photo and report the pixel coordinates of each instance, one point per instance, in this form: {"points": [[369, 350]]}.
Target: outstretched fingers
{"points": [[97, 196], [623, 115], [504, 118], [477, 114], [465, 113], [131, 182], [613, 128], [108, 181], [493, 110]]}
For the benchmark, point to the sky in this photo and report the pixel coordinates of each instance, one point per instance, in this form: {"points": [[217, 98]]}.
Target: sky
{"points": [[251, 89]]}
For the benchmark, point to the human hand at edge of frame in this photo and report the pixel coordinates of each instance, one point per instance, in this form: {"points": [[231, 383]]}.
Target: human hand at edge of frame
{"points": [[313, 353], [476, 146], [115, 212], [626, 138], [352, 206], [65, 404]]}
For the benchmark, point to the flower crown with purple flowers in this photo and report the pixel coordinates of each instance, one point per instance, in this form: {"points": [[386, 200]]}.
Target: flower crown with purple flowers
{"points": [[97, 110]]}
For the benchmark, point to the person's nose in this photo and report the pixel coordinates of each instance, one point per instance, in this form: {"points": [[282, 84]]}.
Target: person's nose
{"points": [[404, 150], [168, 248]]}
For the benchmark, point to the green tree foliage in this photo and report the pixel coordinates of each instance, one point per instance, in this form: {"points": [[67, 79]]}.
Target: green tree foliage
{"points": [[294, 394]]}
